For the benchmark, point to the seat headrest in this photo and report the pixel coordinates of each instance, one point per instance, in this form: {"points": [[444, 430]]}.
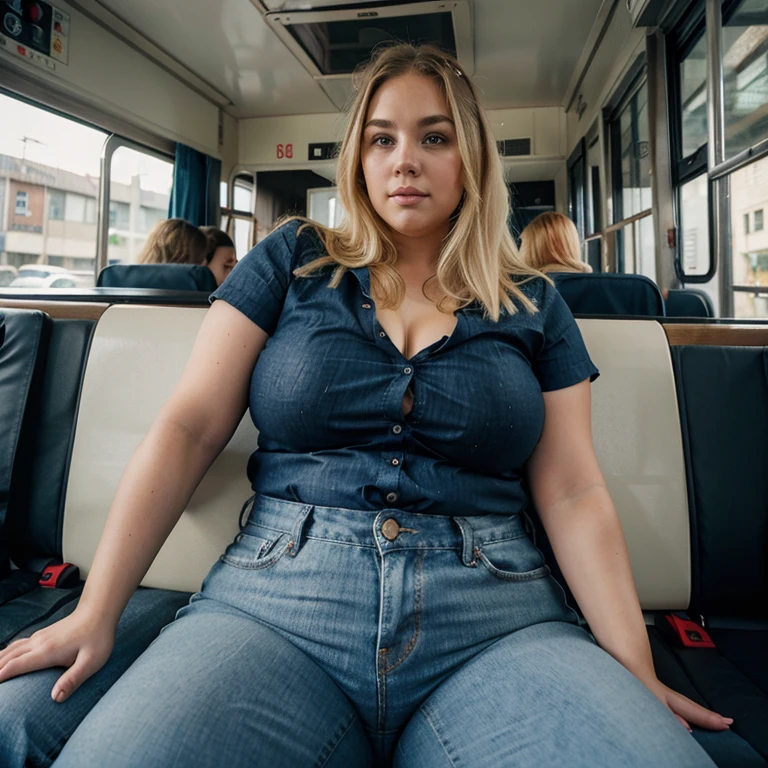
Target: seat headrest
{"points": [[609, 294], [689, 303], [169, 277]]}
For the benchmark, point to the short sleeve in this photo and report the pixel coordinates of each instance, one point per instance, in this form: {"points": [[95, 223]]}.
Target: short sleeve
{"points": [[258, 285], [563, 359]]}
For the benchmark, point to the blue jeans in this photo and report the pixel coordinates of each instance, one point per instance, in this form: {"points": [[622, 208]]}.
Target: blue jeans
{"points": [[336, 637]]}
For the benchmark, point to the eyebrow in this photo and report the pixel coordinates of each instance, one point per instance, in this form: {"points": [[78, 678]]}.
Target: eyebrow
{"points": [[423, 123]]}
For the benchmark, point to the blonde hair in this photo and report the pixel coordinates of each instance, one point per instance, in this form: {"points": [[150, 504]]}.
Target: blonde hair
{"points": [[174, 241], [478, 260], [550, 243]]}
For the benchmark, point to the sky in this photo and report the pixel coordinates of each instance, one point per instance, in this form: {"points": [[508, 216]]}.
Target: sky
{"points": [[72, 146]]}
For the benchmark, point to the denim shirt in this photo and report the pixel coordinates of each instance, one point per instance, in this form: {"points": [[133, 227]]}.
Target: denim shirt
{"points": [[326, 392]]}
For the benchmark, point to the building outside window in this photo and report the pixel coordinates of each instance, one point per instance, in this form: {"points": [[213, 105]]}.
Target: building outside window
{"points": [[746, 223], [56, 204], [758, 220], [22, 204]]}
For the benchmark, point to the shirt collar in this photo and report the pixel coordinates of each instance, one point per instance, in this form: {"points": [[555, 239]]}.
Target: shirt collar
{"points": [[364, 278]]}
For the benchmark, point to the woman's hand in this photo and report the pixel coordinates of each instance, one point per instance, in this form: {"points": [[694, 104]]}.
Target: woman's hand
{"points": [[80, 642], [688, 712]]}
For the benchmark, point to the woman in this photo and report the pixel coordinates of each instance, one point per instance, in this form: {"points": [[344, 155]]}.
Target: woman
{"points": [[174, 241], [550, 243], [221, 258], [383, 604]]}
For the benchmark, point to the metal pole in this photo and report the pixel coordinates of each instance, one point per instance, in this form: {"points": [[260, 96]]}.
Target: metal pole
{"points": [[719, 220]]}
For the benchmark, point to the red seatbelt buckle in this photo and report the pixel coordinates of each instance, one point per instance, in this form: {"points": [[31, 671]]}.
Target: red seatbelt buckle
{"points": [[60, 576], [688, 632]]}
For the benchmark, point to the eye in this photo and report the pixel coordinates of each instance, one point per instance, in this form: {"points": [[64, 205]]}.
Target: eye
{"points": [[381, 141], [435, 139]]}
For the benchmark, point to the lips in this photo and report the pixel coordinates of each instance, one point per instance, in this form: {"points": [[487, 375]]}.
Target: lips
{"points": [[408, 195]]}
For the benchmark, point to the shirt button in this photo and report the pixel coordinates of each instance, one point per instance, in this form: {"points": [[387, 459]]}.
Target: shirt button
{"points": [[366, 306], [382, 334], [407, 371], [395, 462], [392, 497], [397, 429]]}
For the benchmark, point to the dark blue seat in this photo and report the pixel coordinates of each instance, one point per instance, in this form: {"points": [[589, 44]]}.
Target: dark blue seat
{"points": [[689, 302], [168, 277], [609, 294]]}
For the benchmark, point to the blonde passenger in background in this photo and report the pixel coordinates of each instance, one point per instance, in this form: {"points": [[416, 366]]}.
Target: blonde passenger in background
{"points": [[175, 241], [550, 243]]}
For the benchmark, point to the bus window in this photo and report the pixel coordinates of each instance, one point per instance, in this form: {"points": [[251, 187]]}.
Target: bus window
{"points": [[49, 174], [693, 97], [745, 76], [139, 193], [749, 240]]}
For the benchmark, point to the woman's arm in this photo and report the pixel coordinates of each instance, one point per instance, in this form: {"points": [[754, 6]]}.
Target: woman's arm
{"points": [[188, 434], [572, 500]]}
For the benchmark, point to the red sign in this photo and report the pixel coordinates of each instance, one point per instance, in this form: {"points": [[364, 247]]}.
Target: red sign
{"points": [[284, 150]]}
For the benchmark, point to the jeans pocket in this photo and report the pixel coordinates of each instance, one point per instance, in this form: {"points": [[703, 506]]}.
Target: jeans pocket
{"points": [[512, 559], [256, 548]]}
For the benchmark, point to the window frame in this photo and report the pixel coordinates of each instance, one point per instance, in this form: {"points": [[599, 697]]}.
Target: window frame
{"points": [[111, 145]]}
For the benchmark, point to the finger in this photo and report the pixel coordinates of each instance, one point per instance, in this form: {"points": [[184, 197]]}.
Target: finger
{"points": [[17, 652], [23, 663], [10, 650], [73, 678], [685, 724], [698, 715]]}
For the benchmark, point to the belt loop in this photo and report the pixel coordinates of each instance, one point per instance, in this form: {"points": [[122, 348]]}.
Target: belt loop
{"points": [[245, 512], [468, 548], [298, 528]]}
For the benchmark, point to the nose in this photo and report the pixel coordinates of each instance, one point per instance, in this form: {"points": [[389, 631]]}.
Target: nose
{"points": [[406, 160]]}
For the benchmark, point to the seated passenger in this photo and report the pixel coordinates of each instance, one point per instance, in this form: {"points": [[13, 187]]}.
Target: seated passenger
{"points": [[550, 243], [221, 257], [383, 604], [174, 241]]}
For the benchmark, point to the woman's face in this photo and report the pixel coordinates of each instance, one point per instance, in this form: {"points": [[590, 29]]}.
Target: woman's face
{"points": [[410, 157], [222, 263]]}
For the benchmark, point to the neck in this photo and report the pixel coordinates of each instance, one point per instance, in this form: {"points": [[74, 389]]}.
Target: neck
{"points": [[419, 253]]}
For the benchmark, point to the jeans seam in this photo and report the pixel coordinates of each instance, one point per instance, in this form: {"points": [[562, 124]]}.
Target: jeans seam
{"points": [[440, 740], [334, 741], [417, 605]]}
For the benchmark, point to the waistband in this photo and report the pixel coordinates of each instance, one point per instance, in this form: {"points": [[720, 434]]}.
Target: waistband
{"points": [[385, 530]]}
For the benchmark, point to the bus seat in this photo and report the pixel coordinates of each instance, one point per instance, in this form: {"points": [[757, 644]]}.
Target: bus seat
{"points": [[123, 390], [21, 367], [636, 433], [41, 370], [609, 294], [689, 302], [169, 277]]}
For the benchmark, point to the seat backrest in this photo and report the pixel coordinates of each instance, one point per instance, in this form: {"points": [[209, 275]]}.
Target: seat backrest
{"points": [[171, 277], [35, 525], [22, 361], [635, 421], [137, 355], [609, 294], [638, 442], [723, 394], [689, 302]]}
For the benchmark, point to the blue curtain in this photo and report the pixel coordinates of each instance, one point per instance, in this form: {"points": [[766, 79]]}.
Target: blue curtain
{"points": [[195, 193]]}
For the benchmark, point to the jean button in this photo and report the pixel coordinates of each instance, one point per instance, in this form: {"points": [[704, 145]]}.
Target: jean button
{"points": [[397, 429], [408, 371], [392, 497], [390, 529]]}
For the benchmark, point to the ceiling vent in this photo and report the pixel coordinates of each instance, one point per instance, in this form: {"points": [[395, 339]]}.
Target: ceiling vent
{"points": [[331, 42]]}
